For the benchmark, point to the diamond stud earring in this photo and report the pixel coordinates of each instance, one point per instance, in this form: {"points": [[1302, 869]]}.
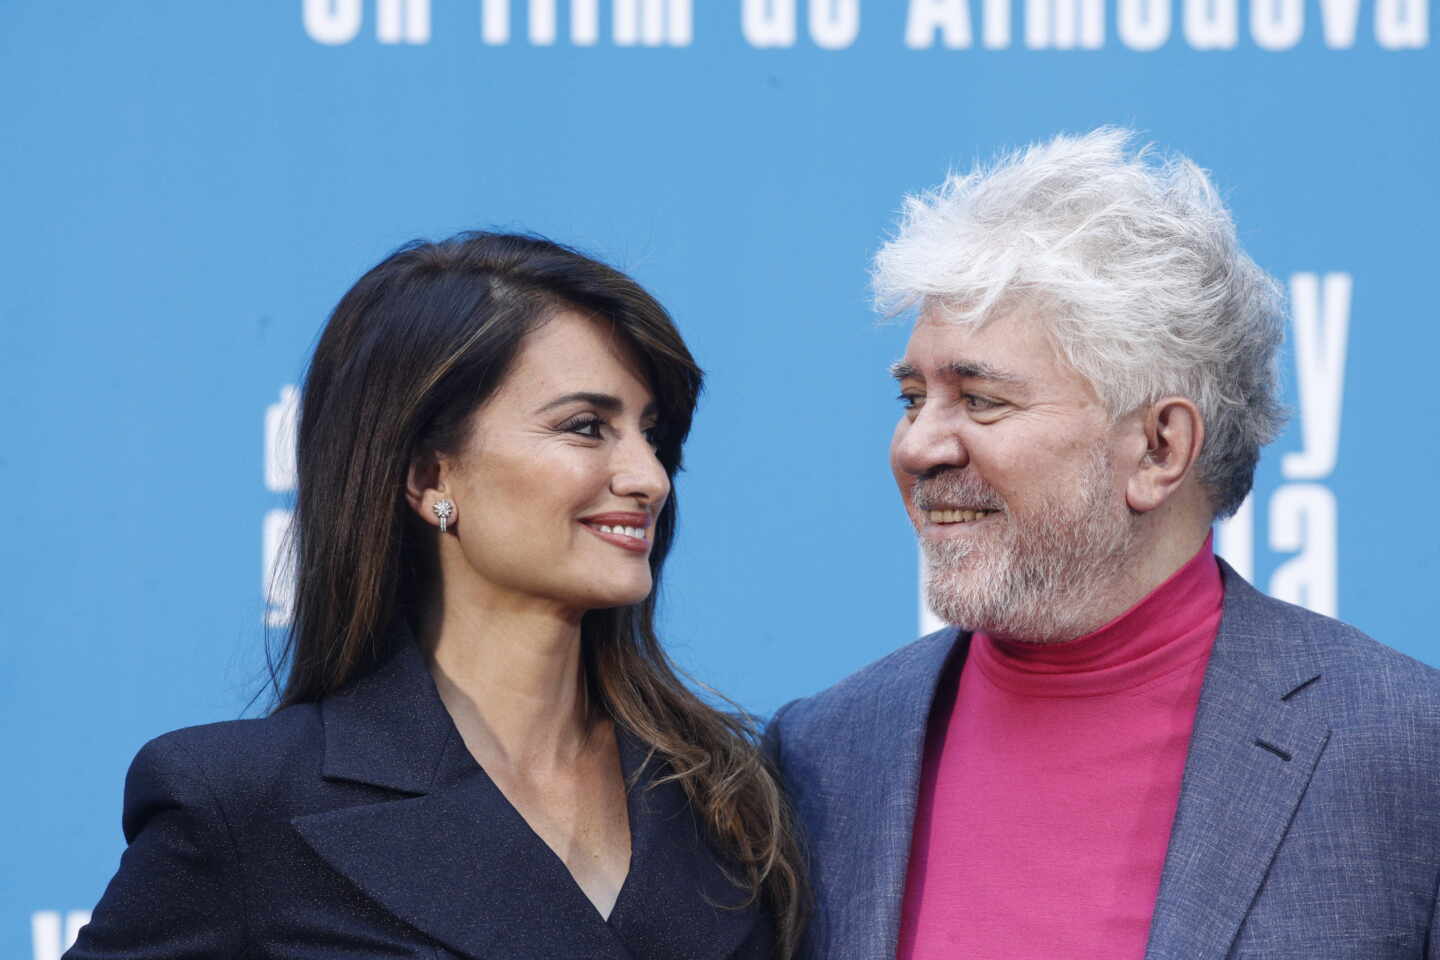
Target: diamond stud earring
{"points": [[444, 509]]}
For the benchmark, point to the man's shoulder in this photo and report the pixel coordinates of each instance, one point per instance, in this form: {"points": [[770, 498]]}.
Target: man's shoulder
{"points": [[1358, 672], [898, 674]]}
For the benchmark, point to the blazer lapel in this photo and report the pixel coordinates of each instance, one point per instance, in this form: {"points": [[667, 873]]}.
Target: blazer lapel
{"points": [[461, 866], [677, 899], [858, 796], [455, 860], [1252, 754]]}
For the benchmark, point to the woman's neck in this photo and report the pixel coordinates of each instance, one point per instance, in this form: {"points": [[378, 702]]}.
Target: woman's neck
{"points": [[512, 681]]}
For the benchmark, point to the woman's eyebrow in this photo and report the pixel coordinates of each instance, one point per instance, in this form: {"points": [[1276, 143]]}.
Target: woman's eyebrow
{"points": [[605, 401]]}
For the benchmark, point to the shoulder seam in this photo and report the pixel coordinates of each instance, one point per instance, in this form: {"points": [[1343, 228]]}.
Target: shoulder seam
{"points": [[204, 780]]}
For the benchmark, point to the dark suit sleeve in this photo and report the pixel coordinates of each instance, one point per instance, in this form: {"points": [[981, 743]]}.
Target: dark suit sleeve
{"points": [[178, 891]]}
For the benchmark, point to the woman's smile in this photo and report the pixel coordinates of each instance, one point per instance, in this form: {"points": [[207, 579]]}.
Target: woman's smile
{"points": [[627, 530]]}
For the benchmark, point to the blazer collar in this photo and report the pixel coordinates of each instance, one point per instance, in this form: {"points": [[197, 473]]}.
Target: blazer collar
{"points": [[390, 728], [456, 861], [1254, 748]]}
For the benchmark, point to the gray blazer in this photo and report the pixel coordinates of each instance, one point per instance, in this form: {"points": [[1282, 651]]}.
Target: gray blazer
{"points": [[1309, 816]]}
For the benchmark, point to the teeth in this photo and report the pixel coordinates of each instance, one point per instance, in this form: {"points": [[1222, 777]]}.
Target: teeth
{"points": [[956, 516], [637, 532]]}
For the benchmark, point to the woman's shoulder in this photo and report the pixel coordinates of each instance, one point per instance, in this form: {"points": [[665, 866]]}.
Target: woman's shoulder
{"points": [[225, 763]]}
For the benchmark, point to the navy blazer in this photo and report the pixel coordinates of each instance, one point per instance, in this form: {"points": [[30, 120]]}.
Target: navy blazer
{"points": [[1308, 826], [362, 827]]}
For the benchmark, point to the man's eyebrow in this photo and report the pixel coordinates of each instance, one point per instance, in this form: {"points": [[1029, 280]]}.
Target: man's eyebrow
{"points": [[959, 369], [605, 401], [973, 370]]}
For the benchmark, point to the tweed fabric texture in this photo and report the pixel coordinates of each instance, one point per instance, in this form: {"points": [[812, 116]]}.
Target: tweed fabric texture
{"points": [[1308, 825], [361, 827]]}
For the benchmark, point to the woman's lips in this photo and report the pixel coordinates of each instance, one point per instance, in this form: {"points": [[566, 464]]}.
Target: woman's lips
{"points": [[625, 529]]}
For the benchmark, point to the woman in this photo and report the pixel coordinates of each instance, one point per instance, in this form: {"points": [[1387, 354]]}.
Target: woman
{"points": [[480, 749]]}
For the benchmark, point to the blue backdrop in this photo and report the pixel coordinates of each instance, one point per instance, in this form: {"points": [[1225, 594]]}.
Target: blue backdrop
{"points": [[188, 187]]}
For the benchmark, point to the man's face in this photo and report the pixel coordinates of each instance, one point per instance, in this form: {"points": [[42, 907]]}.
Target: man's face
{"points": [[1006, 459]]}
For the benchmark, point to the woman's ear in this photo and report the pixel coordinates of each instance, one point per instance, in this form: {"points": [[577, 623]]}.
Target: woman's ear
{"points": [[425, 485], [1174, 434]]}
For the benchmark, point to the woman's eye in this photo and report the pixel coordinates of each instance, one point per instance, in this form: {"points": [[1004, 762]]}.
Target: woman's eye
{"points": [[585, 427], [652, 436]]}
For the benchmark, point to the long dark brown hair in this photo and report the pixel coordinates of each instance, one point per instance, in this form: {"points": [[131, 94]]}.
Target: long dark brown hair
{"points": [[410, 352]]}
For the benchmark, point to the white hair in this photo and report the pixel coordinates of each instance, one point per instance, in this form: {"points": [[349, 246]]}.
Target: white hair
{"points": [[1131, 261]]}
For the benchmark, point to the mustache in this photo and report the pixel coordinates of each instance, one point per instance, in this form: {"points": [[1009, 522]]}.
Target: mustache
{"points": [[954, 488]]}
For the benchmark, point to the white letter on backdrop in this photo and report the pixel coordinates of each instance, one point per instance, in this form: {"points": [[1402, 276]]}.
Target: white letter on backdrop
{"points": [[1235, 539], [768, 23], [1303, 517], [834, 23], [996, 32], [495, 22], [280, 421], [927, 16], [653, 23], [1064, 24], [46, 942], [332, 21], [1276, 24], [1144, 24], [584, 22], [403, 21], [1211, 24], [1402, 24], [1321, 332], [277, 568], [929, 622], [542, 22], [1338, 19]]}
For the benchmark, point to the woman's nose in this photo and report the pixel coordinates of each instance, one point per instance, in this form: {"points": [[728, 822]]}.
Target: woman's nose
{"points": [[639, 472]]}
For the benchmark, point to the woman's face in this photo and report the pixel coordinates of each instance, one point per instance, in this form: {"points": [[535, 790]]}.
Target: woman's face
{"points": [[557, 487]]}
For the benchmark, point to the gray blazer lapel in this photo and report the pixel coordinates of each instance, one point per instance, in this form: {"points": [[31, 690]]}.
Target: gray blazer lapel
{"points": [[1251, 756], [852, 758]]}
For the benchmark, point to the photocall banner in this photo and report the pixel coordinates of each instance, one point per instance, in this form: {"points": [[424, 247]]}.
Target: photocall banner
{"points": [[188, 188]]}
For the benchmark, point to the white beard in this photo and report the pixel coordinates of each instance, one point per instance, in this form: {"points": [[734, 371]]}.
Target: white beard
{"points": [[1037, 576]]}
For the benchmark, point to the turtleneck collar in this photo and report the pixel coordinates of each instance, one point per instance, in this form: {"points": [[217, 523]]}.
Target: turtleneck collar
{"points": [[1171, 627]]}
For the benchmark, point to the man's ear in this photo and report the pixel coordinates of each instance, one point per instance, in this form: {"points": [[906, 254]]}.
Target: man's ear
{"points": [[1174, 434], [425, 484]]}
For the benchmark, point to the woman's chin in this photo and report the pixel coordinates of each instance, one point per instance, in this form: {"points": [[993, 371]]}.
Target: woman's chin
{"points": [[617, 596]]}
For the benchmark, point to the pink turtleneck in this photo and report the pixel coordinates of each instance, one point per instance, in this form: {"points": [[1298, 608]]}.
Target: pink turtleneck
{"points": [[1050, 782]]}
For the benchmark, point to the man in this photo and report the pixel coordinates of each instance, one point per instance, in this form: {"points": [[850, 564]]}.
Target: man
{"points": [[1120, 749]]}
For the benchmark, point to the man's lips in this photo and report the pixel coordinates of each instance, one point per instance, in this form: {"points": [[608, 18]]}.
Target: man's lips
{"points": [[627, 529]]}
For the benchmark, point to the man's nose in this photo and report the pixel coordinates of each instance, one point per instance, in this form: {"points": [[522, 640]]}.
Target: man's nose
{"points": [[927, 444]]}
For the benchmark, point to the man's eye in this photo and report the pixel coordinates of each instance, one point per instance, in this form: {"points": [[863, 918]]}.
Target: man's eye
{"points": [[975, 402], [652, 436], [911, 401]]}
